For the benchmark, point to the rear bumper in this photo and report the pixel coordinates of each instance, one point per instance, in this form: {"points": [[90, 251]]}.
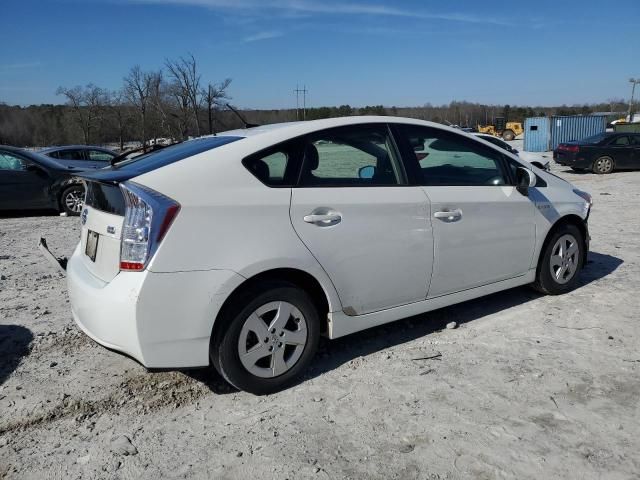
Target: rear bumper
{"points": [[570, 160], [163, 320]]}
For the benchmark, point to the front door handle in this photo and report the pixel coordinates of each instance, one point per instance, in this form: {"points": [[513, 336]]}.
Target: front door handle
{"points": [[449, 216], [323, 217]]}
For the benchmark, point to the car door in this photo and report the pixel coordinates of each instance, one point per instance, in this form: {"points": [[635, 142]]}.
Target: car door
{"points": [[635, 156], [22, 185], [73, 158], [483, 228], [367, 227], [621, 150]]}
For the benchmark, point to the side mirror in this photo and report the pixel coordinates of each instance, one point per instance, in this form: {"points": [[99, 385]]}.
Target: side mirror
{"points": [[525, 179], [367, 172], [514, 150]]}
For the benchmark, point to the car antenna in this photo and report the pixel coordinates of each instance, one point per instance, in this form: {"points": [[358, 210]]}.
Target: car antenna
{"points": [[242, 119]]}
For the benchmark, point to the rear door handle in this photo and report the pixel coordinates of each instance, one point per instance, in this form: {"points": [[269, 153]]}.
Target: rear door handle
{"points": [[325, 219], [449, 216]]}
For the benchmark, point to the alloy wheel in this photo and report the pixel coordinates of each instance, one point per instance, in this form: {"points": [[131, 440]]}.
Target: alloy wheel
{"points": [[272, 339], [604, 165], [74, 200], [564, 259]]}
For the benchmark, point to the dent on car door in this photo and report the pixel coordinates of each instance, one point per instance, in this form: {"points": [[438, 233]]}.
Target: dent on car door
{"points": [[483, 228], [365, 225]]}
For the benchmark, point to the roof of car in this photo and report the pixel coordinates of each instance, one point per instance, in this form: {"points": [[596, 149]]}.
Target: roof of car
{"points": [[300, 128]]}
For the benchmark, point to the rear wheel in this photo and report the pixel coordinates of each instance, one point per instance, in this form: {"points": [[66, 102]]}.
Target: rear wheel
{"points": [[561, 261], [268, 337], [508, 135], [603, 165], [72, 199]]}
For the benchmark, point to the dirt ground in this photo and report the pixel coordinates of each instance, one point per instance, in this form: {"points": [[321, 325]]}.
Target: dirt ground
{"points": [[528, 387]]}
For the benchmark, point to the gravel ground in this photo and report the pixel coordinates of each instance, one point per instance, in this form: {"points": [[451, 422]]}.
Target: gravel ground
{"points": [[527, 387]]}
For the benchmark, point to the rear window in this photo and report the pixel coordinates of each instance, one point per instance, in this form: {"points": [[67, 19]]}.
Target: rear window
{"points": [[594, 140], [160, 158]]}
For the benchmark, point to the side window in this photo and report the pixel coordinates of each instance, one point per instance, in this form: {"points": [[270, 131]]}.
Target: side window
{"points": [[53, 154], [275, 166], [359, 155], [276, 163], [99, 156], [10, 162], [70, 155], [450, 159], [621, 142]]}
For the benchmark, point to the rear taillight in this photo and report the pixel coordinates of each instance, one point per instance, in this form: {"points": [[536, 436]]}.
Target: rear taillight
{"points": [[148, 216], [569, 148]]}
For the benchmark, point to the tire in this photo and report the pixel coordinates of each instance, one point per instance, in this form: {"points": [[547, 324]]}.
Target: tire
{"points": [[550, 279], [603, 165], [72, 199], [508, 135], [250, 324]]}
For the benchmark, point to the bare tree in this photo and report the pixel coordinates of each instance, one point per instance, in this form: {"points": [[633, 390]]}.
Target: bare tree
{"points": [[138, 87], [185, 74], [87, 103], [213, 95], [120, 109]]}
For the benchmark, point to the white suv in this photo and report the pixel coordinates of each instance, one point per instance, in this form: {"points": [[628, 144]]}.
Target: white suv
{"points": [[241, 249]]}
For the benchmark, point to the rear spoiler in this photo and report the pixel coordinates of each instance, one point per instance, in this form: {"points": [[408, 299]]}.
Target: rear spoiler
{"points": [[59, 263]]}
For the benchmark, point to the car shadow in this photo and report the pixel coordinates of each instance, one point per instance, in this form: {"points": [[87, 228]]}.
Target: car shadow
{"points": [[28, 213], [14, 345], [334, 353]]}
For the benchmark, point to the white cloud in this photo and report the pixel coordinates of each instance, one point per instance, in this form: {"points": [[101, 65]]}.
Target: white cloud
{"points": [[262, 36], [332, 7]]}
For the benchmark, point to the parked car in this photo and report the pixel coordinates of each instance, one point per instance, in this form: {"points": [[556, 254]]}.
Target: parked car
{"points": [[544, 165], [602, 153], [31, 181], [241, 249], [81, 156]]}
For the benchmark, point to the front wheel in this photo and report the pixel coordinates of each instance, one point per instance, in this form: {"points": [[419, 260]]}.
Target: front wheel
{"points": [[603, 165], [268, 338], [561, 261], [72, 199]]}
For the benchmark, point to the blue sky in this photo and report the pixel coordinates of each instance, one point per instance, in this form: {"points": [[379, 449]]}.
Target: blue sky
{"points": [[400, 53]]}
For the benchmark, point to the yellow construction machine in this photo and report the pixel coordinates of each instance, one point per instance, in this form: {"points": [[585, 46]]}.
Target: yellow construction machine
{"points": [[507, 130]]}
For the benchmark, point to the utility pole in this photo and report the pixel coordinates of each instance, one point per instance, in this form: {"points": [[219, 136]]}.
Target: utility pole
{"points": [[634, 82], [304, 92]]}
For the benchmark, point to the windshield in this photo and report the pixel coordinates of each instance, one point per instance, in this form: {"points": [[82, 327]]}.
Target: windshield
{"points": [[595, 139]]}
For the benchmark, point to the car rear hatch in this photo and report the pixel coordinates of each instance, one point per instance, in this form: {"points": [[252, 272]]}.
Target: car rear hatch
{"points": [[102, 219], [104, 210]]}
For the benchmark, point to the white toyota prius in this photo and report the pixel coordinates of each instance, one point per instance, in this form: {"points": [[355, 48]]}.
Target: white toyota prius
{"points": [[241, 249]]}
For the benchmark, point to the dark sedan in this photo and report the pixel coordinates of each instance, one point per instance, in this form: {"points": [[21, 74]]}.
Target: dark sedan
{"points": [[602, 153], [81, 156], [31, 181]]}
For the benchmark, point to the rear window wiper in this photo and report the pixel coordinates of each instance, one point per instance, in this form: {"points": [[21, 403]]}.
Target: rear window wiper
{"points": [[145, 150]]}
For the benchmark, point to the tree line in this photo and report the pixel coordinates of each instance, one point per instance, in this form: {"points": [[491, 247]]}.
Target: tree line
{"points": [[175, 102]]}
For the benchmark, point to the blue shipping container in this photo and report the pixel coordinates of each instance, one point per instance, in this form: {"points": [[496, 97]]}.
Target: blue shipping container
{"points": [[536, 134], [567, 129]]}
